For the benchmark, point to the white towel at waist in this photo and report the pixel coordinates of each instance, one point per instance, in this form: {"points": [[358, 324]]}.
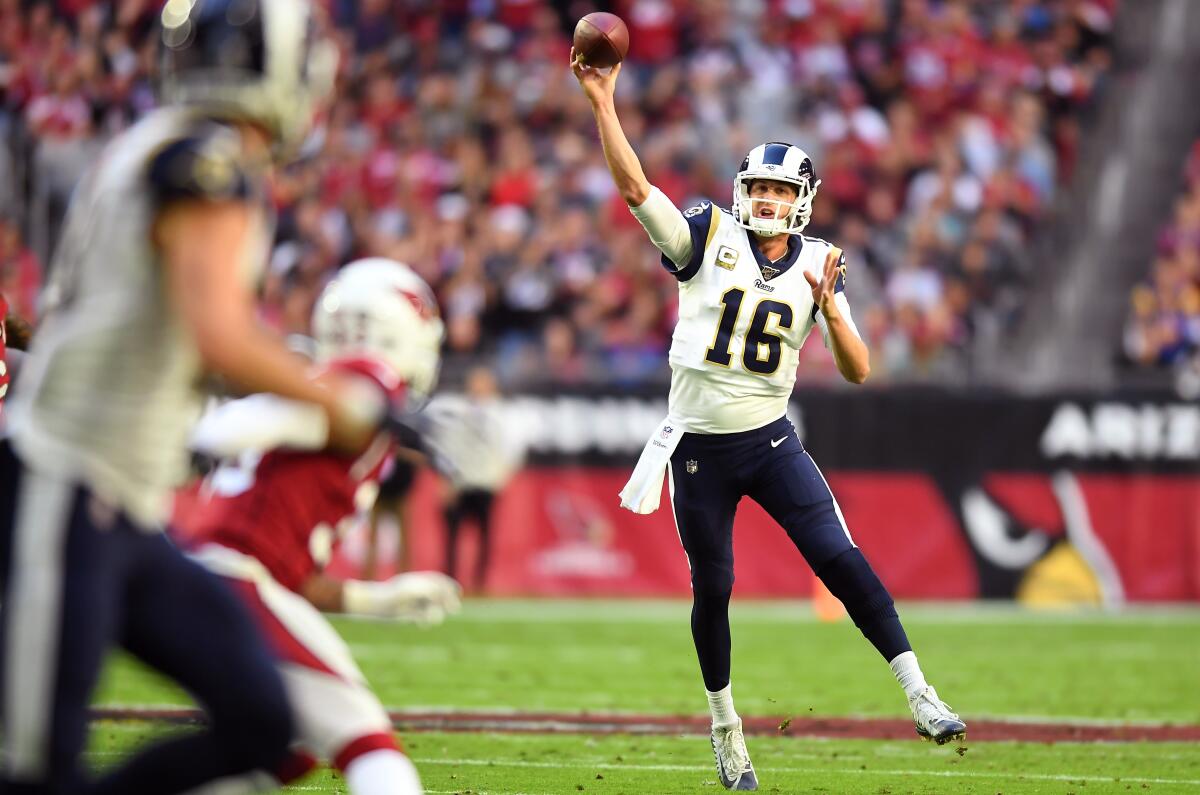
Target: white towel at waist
{"points": [[644, 490]]}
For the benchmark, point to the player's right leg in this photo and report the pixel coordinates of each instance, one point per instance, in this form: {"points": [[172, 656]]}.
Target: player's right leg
{"points": [[704, 497], [61, 583], [337, 715], [452, 513], [343, 721], [185, 622]]}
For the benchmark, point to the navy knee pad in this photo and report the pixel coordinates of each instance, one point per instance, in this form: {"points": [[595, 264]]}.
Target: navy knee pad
{"points": [[852, 580], [712, 582]]}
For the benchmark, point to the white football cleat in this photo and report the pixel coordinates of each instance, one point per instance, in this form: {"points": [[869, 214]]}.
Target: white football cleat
{"points": [[934, 719], [733, 760]]}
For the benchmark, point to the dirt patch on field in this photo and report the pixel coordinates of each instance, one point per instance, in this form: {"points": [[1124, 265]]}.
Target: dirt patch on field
{"points": [[845, 728]]}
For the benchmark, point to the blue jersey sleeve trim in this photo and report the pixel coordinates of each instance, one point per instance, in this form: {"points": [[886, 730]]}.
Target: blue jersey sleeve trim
{"points": [[701, 221], [199, 167]]}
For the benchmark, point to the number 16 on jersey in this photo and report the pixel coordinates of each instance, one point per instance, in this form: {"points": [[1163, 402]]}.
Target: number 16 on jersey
{"points": [[762, 350]]}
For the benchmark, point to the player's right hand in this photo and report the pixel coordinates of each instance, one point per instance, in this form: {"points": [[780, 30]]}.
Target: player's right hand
{"points": [[598, 85], [356, 409], [360, 409]]}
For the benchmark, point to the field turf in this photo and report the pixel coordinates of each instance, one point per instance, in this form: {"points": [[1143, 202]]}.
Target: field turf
{"points": [[635, 658]]}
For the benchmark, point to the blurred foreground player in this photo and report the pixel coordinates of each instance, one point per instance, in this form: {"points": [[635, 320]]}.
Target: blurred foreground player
{"points": [[751, 289], [5, 375], [150, 288], [14, 339], [271, 522]]}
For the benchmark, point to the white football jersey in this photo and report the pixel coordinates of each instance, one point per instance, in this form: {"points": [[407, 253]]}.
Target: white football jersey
{"points": [[742, 320], [112, 383]]}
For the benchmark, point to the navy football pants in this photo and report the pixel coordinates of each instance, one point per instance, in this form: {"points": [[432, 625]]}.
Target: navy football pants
{"points": [[709, 476], [79, 578]]}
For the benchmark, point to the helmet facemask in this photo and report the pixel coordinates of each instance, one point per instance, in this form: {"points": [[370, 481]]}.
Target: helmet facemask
{"points": [[790, 217]]}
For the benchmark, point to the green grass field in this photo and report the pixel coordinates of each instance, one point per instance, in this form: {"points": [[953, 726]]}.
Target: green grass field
{"points": [[1141, 666]]}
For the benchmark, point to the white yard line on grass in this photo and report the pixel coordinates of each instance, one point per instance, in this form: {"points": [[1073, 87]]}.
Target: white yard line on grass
{"points": [[661, 768], [809, 770]]}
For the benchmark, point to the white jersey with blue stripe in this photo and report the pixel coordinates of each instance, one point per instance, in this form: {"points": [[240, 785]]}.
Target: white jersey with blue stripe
{"points": [[742, 321], [112, 384]]}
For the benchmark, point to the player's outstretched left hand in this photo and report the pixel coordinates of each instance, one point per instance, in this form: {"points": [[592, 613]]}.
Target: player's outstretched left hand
{"points": [[425, 598], [823, 290], [419, 597]]}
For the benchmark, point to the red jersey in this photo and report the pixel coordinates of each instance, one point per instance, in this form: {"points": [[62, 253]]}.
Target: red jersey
{"points": [[3, 346], [288, 509]]}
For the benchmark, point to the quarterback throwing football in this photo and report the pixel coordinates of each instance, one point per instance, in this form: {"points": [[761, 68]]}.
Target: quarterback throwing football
{"points": [[751, 289]]}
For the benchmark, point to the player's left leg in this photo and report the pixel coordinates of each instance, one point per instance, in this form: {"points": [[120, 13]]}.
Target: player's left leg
{"points": [[791, 488], [183, 621], [452, 513], [479, 505]]}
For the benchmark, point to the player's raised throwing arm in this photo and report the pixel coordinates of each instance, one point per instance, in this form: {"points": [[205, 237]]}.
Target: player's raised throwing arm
{"points": [[662, 220]]}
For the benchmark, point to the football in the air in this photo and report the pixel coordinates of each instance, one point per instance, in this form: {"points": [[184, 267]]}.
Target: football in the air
{"points": [[602, 39]]}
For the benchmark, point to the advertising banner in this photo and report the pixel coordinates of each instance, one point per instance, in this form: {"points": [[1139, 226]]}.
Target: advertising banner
{"points": [[1055, 500]]}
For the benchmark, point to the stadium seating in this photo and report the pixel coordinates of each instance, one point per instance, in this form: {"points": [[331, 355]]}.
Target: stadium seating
{"points": [[1163, 328], [459, 143]]}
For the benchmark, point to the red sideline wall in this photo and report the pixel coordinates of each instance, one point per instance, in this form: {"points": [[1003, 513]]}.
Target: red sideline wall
{"points": [[951, 495], [559, 531]]}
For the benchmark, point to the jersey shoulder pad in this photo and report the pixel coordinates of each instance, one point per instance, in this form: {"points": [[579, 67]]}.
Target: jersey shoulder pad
{"points": [[705, 209], [204, 164], [702, 220]]}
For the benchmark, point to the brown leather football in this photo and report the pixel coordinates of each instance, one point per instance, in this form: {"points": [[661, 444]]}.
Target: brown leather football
{"points": [[602, 39]]}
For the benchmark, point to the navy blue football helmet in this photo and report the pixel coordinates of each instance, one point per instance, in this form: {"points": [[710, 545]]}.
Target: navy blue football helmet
{"points": [[255, 60]]}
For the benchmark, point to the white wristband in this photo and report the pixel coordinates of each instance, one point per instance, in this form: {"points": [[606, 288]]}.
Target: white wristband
{"points": [[366, 598]]}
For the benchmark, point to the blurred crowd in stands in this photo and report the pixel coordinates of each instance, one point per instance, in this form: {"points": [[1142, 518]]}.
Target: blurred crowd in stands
{"points": [[1163, 329], [460, 144]]}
